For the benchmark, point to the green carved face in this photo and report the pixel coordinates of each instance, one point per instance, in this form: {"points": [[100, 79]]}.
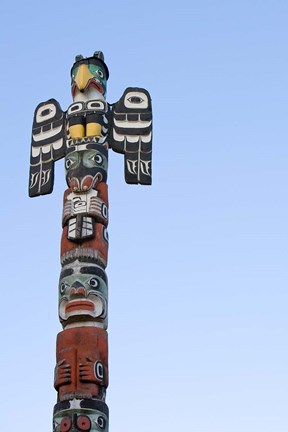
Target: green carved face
{"points": [[86, 168], [99, 73], [83, 292], [89, 75], [88, 158], [80, 419]]}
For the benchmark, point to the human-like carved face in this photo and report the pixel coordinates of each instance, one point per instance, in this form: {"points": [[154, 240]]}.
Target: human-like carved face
{"points": [[86, 168], [80, 416], [83, 293]]}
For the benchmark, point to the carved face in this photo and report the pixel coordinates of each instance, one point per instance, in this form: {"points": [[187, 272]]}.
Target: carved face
{"points": [[80, 415], [87, 74], [86, 168], [83, 293]]}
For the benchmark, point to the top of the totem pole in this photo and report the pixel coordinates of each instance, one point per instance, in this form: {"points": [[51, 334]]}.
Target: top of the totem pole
{"points": [[97, 59], [124, 126]]}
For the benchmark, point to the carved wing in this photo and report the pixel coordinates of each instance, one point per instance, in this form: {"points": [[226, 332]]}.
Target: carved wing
{"points": [[131, 134], [47, 146]]}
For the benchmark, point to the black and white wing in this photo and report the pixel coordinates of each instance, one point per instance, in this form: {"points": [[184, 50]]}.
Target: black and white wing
{"points": [[131, 134], [47, 146]]}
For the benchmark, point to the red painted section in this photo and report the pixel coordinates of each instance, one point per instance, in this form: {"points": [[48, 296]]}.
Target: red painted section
{"points": [[78, 373]]}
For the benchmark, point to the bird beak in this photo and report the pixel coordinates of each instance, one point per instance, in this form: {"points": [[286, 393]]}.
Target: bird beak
{"points": [[83, 77]]}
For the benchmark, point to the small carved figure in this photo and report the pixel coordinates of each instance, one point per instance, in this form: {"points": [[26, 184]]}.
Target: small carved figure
{"points": [[82, 363]]}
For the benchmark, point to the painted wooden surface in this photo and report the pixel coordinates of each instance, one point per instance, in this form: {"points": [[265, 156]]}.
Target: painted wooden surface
{"points": [[82, 136]]}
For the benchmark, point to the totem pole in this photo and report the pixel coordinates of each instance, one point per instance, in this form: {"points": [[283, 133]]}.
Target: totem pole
{"points": [[83, 134]]}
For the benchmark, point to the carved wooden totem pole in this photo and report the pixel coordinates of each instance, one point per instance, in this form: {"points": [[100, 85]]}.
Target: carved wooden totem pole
{"points": [[83, 134]]}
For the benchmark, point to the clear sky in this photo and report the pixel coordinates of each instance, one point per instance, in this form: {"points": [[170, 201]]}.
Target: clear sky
{"points": [[197, 262]]}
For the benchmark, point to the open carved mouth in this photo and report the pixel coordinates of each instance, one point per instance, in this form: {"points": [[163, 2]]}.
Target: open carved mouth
{"points": [[86, 183], [79, 305], [92, 83], [96, 84]]}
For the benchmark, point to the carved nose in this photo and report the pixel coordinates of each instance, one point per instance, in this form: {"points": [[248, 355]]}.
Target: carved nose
{"points": [[74, 184], [77, 290]]}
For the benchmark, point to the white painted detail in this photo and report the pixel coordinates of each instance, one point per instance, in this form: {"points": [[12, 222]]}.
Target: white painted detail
{"points": [[99, 369], [40, 118], [87, 226], [132, 166], [87, 324], [35, 151], [58, 144], [96, 105], [75, 107], [47, 134], [80, 146], [75, 404], [132, 124], [146, 138], [88, 95], [72, 228], [132, 138], [130, 95], [45, 176], [34, 179], [82, 202], [105, 235], [46, 148], [145, 167]]}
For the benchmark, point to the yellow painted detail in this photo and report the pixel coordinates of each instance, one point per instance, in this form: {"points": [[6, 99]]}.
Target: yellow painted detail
{"points": [[77, 131], [83, 76], [93, 129]]}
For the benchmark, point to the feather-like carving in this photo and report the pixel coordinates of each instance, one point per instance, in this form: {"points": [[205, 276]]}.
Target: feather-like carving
{"points": [[47, 146], [131, 134]]}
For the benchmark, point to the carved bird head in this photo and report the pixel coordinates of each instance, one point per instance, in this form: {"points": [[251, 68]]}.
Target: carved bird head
{"points": [[89, 77]]}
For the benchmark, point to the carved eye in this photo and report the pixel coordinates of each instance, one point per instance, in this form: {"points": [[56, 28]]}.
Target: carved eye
{"points": [[105, 234], [101, 422], [93, 282], [63, 287], [104, 211], [75, 107], [66, 424], [97, 105], [68, 163], [100, 73], [99, 370], [83, 423], [135, 99], [98, 158], [45, 112]]}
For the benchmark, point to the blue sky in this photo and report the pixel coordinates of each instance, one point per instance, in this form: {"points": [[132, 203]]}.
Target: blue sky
{"points": [[197, 262]]}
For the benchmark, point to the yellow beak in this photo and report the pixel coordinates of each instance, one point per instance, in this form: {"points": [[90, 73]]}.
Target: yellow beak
{"points": [[83, 76]]}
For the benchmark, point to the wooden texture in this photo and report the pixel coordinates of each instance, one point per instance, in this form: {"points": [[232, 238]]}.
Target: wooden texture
{"points": [[83, 135], [82, 363]]}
